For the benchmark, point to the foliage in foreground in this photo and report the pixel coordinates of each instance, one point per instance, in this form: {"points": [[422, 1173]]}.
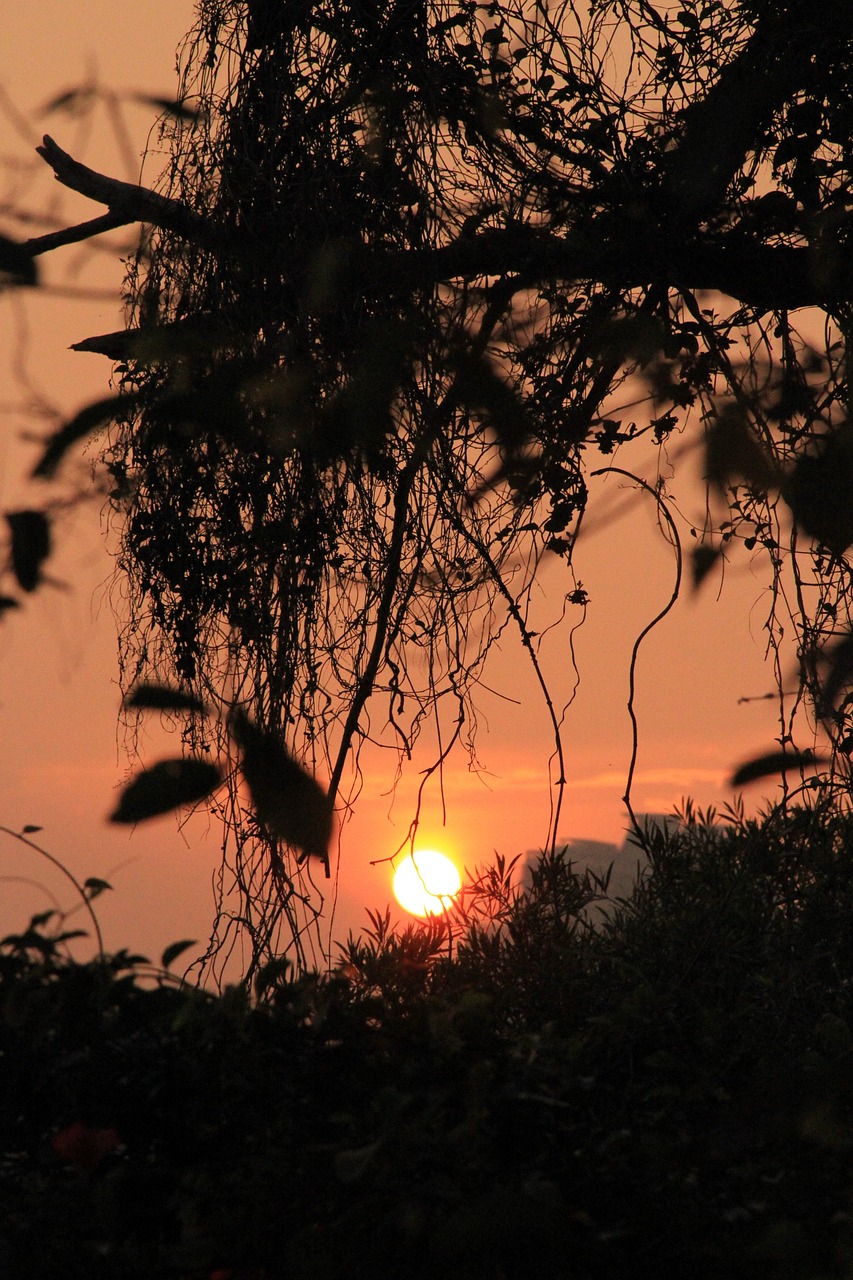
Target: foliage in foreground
{"points": [[667, 1092]]}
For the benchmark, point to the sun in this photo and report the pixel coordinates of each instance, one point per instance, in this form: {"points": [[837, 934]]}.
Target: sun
{"points": [[426, 882]]}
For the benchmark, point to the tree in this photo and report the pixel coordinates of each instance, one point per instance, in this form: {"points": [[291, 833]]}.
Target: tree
{"points": [[401, 268]]}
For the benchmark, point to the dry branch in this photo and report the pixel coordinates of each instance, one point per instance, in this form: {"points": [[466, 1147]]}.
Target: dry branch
{"points": [[126, 201], [73, 235]]}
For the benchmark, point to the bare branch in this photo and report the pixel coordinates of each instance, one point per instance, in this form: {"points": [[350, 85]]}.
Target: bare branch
{"points": [[73, 235], [127, 201]]}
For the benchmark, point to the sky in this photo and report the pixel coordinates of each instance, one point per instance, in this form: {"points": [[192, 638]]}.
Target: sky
{"points": [[62, 754]]}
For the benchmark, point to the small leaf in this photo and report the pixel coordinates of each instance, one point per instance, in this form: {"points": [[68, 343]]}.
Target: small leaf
{"points": [[174, 950], [69, 100], [272, 972], [8, 602], [772, 763], [40, 919], [30, 546], [818, 491], [157, 697], [94, 887], [287, 799], [481, 387], [839, 661], [83, 424], [178, 109], [165, 786], [732, 451], [30, 829], [702, 562]]}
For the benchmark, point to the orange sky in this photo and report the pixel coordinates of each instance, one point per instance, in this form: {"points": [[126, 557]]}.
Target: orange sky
{"points": [[61, 755]]}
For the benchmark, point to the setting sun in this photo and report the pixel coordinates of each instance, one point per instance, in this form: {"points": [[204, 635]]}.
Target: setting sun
{"points": [[426, 882]]}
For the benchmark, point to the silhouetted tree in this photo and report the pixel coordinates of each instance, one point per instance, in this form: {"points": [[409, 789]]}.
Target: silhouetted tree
{"points": [[403, 266]]}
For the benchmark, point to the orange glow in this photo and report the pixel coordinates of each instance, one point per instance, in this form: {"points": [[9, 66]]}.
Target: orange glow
{"points": [[426, 882]]}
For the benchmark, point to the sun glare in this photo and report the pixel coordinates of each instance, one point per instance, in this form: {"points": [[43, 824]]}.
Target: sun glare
{"points": [[426, 882]]}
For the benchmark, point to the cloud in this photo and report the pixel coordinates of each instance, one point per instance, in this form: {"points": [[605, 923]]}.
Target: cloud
{"points": [[683, 777], [527, 778]]}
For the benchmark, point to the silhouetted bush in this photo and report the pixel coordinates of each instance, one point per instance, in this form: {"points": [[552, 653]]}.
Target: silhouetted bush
{"points": [[535, 1087]]}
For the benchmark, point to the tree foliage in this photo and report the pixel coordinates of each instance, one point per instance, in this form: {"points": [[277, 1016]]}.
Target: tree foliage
{"points": [[413, 272]]}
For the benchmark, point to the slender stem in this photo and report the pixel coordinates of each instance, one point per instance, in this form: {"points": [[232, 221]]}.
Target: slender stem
{"points": [[676, 590], [17, 835]]}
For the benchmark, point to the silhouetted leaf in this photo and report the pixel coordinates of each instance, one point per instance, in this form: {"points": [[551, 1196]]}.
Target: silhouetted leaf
{"points": [[157, 697], [481, 387], [30, 829], [174, 950], [17, 262], [30, 546], [269, 974], [838, 658], [638, 337], [83, 424], [818, 492], [165, 786], [178, 109], [287, 799], [702, 561], [69, 100], [95, 887], [732, 452], [8, 602], [773, 763]]}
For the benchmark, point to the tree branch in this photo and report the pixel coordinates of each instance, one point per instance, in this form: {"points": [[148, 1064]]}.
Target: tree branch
{"points": [[73, 235], [125, 200], [768, 277]]}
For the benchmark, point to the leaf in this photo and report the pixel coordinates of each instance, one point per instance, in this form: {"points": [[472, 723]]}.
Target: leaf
{"points": [[165, 786], [174, 950], [772, 763], [40, 919], [732, 451], [818, 492], [481, 387], [156, 697], [30, 829], [702, 561], [272, 972], [94, 887], [30, 546], [83, 424], [839, 660], [287, 799], [8, 602], [178, 109], [17, 262], [68, 100]]}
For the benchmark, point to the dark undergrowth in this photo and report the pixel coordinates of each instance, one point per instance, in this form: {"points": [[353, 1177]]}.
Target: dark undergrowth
{"points": [[666, 1093]]}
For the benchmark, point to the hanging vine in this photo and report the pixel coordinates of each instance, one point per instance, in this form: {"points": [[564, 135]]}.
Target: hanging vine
{"points": [[411, 271]]}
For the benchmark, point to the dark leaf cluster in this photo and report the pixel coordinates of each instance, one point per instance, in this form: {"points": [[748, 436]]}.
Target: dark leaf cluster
{"points": [[569, 1086]]}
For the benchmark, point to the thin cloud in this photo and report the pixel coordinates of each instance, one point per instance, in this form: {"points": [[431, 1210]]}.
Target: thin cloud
{"points": [[684, 777]]}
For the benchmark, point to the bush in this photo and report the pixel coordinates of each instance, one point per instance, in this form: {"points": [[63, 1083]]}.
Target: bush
{"points": [[514, 1091]]}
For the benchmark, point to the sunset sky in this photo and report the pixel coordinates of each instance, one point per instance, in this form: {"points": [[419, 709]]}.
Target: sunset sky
{"points": [[62, 754]]}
